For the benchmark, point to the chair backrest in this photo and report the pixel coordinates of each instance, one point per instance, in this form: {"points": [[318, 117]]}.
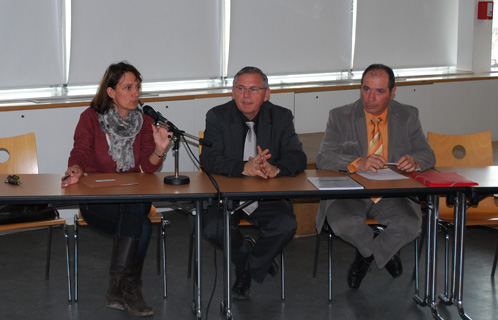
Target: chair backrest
{"points": [[466, 150], [201, 135], [22, 156]]}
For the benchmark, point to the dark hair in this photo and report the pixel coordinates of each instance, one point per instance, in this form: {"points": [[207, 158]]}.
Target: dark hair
{"points": [[379, 66], [102, 102], [247, 70]]}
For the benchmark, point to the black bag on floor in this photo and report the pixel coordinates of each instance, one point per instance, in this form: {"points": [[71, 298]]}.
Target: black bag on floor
{"points": [[16, 213]]}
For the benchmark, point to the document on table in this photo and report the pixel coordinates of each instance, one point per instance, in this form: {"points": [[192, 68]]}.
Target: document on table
{"points": [[382, 174], [335, 183]]}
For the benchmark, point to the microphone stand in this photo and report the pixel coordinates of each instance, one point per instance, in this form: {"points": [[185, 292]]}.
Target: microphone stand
{"points": [[178, 179]]}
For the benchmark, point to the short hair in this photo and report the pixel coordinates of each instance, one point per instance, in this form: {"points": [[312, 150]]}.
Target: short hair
{"points": [[250, 70], [379, 66], [102, 102]]}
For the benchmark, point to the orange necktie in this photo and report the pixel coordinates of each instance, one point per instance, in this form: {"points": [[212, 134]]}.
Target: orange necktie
{"points": [[375, 145]]}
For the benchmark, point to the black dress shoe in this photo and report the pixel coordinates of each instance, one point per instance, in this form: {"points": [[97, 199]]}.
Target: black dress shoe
{"points": [[377, 230], [394, 266], [242, 285], [358, 270], [274, 268]]}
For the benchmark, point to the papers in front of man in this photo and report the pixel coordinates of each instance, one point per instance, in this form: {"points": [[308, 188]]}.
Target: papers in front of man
{"points": [[382, 174], [335, 183]]}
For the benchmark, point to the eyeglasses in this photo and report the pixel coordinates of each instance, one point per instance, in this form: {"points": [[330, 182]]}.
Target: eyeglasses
{"points": [[251, 90]]}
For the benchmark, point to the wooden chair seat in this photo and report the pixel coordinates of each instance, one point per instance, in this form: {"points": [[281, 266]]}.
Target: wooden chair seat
{"points": [[56, 221], [468, 150], [486, 213], [23, 159]]}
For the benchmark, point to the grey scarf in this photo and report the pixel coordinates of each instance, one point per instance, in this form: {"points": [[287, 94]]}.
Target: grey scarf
{"points": [[123, 132]]}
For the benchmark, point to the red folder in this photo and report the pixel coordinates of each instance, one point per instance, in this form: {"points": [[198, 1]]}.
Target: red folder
{"points": [[443, 179]]}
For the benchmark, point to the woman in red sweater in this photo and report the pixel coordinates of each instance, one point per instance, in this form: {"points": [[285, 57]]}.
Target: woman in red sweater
{"points": [[114, 135]]}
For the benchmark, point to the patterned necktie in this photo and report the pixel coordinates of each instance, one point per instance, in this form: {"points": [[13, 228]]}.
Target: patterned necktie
{"points": [[375, 146], [250, 150]]}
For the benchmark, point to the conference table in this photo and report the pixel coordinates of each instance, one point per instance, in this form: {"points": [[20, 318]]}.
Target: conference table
{"points": [[255, 189], [487, 179], [114, 187], [132, 187]]}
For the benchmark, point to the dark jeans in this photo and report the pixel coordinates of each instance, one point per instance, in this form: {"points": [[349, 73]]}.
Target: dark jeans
{"points": [[277, 225], [124, 219]]}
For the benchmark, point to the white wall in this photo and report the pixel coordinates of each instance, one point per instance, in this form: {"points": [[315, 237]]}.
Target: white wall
{"points": [[448, 107]]}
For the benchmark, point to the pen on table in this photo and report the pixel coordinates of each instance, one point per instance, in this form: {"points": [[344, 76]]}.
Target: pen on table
{"points": [[66, 176]]}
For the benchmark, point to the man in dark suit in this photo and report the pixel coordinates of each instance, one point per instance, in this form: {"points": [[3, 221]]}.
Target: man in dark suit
{"points": [[365, 136], [278, 152]]}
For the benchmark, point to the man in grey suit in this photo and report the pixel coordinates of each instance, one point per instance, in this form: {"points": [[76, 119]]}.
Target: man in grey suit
{"points": [[365, 136], [276, 152]]}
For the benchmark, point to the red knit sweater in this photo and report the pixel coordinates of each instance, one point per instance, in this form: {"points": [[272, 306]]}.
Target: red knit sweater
{"points": [[91, 150]]}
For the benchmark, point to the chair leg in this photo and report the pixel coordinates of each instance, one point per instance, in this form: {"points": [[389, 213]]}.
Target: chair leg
{"points": [[330, 262], [164, 223], [494, 261], [49, 249], [445, 297], [158, 249], [76, 260], [282, 274], [419, 244], [190, 255], [415, 275], [68, 263], [317, 250]]}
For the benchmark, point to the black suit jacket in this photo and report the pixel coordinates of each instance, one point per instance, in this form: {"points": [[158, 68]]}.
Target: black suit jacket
{"points": [[275, 132]]}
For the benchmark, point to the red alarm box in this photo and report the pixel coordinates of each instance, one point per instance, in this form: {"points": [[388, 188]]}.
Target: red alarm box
{"points": [[485, 10]]}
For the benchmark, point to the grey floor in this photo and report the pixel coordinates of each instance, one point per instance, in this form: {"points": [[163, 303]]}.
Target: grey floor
{"points": [[25, 294]]}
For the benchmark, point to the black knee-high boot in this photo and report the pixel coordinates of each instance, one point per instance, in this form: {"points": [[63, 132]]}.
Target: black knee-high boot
{"points": [[124, 251], [132, 290]]}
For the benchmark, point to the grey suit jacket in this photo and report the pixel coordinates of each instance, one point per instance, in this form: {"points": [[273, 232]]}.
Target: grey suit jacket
{"points": [[346, 139], [275, 132]]}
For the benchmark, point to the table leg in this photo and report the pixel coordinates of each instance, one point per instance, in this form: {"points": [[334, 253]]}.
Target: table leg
{"points": [[198, 264], [422, 301], [458, 253], [431, 265], [226, 305]]}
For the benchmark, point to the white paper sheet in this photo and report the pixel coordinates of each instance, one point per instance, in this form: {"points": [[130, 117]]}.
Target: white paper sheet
{"points": [[382, 174]]}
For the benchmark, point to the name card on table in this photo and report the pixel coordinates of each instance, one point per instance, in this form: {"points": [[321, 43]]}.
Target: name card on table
{"points": [[100, 180]]}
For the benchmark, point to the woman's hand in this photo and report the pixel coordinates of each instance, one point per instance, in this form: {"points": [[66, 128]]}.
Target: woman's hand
{"points": [[71, 176], [162, 138]]}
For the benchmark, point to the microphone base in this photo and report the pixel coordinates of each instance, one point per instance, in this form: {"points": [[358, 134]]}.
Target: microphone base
{"points": [[176, 180]]}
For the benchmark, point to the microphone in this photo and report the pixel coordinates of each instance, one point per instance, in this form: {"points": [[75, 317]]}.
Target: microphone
{"points": [[157, 116]]}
